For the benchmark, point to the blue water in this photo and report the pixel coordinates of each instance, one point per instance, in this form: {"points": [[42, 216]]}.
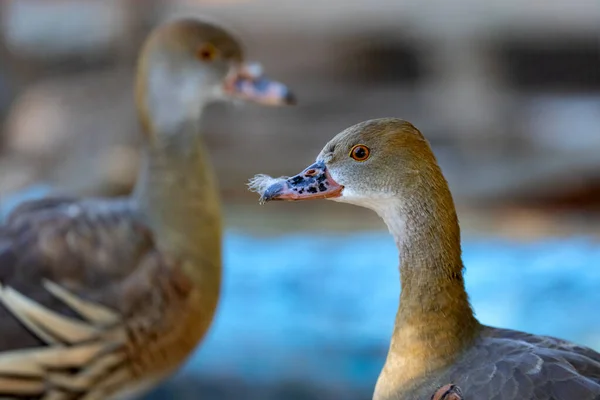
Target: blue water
{"points": [[326, 312], [33, 192], [319, 308]]}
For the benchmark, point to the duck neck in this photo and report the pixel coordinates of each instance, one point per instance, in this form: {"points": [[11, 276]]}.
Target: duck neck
{"points": [[177, 195], [435, 321]]}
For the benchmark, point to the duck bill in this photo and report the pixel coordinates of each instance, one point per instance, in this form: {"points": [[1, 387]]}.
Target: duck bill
{"points": [[247, 82], [314, 182]]}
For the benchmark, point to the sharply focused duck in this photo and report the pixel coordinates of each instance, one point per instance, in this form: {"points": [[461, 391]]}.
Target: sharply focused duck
{"points": [[103, 298], [387, 165]]}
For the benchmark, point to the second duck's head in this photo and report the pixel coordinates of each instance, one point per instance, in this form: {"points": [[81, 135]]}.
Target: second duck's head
{"points": [[188, 63]]}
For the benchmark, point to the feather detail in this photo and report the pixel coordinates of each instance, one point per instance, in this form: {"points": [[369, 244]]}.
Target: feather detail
{"points": [[49, 326], [95, 313], [261, 182]]}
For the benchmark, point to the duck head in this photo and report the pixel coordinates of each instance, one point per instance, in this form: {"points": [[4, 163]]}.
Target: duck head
{"points": [[369, 164], [186, 64]]}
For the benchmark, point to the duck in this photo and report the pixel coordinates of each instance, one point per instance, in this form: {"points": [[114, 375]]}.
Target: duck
{"points": [[386, 165], [104, 298]]}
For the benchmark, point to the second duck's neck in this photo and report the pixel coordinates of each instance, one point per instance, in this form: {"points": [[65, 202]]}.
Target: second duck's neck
{"points": [[178, 196], [435, 320]]}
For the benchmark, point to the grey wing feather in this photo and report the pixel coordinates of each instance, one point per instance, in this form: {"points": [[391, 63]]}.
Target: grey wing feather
{"points": [[87, 248], [80, 282], [511, 365]]}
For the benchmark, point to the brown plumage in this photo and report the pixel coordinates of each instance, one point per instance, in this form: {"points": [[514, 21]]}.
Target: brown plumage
{"points": [[448, 392], [436, 337], [103, 298]]}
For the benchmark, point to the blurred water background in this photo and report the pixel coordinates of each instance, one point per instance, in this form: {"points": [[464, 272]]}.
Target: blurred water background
{"points": [[507, 92]]}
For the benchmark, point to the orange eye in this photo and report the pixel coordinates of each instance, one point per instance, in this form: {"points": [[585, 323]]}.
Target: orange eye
{"points": [[207, 52], [360, 152]]}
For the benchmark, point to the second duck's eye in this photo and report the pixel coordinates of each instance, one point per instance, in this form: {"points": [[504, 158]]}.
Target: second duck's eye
{"points": [[207, 52], [360, 152]]}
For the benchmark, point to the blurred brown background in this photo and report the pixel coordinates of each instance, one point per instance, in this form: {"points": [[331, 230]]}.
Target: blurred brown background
{"points": [[508, 93]]}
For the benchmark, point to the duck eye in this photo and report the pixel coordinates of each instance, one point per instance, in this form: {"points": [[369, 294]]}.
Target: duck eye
{"points": [[360, 152], [207, 52]]}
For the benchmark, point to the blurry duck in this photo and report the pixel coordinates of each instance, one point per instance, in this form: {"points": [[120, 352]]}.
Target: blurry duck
{"points": [[104, 298], [387, 165]]}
